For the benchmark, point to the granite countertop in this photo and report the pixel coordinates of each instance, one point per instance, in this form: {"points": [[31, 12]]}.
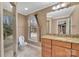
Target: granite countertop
{"points": [[66, 39]]}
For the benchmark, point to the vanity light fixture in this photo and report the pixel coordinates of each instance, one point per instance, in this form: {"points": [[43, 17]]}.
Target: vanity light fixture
{"points": [[58, 6], [26, 8]]}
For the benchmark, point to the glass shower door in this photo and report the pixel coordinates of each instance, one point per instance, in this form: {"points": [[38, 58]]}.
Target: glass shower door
{"points": [[7, 29]]}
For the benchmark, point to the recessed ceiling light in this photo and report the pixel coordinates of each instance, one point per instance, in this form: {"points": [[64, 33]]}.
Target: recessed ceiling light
{"points": [[26, 8], [63, 5], [54, 7]]}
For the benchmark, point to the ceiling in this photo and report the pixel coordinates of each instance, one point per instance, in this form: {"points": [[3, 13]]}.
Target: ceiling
{"points": [[32, 6], [66, 12]]}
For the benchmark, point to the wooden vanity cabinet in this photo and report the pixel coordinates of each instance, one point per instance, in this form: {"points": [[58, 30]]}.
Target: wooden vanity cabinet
{"points": [[75, 53], [46, 43], [61, 52], [61, 49], [46, 47], [75, 50], [55, 48], [61, 44], [46, 52]]}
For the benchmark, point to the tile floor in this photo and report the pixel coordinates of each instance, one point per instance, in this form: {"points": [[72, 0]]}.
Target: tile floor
{"points": [[28, 51]]}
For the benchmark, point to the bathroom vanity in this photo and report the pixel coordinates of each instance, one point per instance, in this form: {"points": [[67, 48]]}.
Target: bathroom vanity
{"points": [[57, 46]]}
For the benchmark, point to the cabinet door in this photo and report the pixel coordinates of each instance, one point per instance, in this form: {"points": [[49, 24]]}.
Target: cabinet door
{"points": [[46, 47], [61, 52], [46, 52], [75, 53], [46, 43], [75, 46], [75, 49], [61, 44]]}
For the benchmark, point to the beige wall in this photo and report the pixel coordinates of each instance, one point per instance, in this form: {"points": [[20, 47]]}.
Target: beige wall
{"points": [[75, 20], [54, 24], [42, 18], [22, 25]]}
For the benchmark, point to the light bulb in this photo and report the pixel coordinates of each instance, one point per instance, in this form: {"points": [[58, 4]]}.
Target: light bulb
{"points": [[63, 5], [58, 6], [26, 8], [54, 7]]}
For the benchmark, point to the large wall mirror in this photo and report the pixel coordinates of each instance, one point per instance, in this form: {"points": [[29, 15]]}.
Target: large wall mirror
{"points": [[64, 21], [33, 29], [1, 46], [8, 29]]}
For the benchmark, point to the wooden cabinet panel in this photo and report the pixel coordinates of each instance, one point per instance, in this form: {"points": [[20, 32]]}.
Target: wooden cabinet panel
{"points": [[75, 46], [59, 48], [53, 51], [61, 52], [46, 52], [46, 43], [75, 53], [61, 44]]}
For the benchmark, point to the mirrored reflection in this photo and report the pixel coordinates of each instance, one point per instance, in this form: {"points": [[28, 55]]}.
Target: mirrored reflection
{"points": [[33, 26], [7, 29], [64, 22]]}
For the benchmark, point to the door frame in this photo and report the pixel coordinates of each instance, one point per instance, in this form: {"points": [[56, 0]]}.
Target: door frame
{"points": [[15, 28]]}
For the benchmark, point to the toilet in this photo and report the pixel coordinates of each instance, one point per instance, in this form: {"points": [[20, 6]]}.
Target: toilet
{"points": [[21, 42]]}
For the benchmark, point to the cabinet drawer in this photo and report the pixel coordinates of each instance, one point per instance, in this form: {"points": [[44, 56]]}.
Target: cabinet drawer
{"points": [[75, 46], [46, 43], [75, 53], [61, 52], [61, 44], [46, 52]]}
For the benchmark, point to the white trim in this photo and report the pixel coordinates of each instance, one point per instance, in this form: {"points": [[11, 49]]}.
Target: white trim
{"points": [[67, 26], [71, 25], [50, 23], [57, 27]]}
